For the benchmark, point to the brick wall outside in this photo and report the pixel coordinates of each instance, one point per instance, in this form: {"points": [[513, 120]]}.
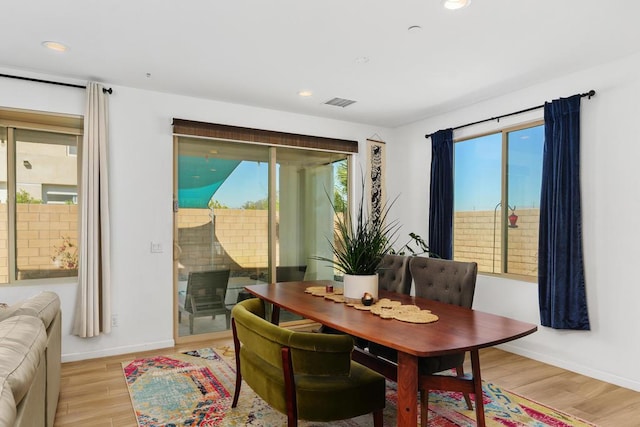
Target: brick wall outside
{"points": [[476, 238], [39, 228], [240, 242]]}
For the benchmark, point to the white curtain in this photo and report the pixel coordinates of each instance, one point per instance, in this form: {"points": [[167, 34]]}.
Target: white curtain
{"points": [[93, 307]]}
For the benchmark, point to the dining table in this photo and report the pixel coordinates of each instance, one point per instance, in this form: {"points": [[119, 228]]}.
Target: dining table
{"points": [[457, 329]]}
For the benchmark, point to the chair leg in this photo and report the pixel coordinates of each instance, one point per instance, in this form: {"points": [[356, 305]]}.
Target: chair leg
{"points": [[236, 347], [467, 399], [377, 418], [179, 316], [191, 324], [228, 320], [424, 408]]}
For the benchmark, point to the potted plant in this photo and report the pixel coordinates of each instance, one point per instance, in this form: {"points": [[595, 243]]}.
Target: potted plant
{"points": [[358, 247], [421, 249]]}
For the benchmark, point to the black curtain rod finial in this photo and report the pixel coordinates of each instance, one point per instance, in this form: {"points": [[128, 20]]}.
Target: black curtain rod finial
{"points": [[29, 79]]}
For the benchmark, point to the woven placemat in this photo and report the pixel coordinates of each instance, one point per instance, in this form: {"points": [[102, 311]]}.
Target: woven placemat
{"points": [[336, 298], [420, 316], [405, 313], [321, 291], [384, 307]]}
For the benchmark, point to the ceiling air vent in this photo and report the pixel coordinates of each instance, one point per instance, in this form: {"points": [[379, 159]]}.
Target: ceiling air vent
{"points": [[340, 102]]}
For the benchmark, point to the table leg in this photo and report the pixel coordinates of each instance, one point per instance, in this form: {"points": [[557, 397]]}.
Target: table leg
{"points": [[477, 387], [275, 314], [407, 390]]}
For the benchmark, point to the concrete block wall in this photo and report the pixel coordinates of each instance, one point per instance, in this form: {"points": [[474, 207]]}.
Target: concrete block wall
{"points": [[40, 228], [236, 239], [478, 237]]}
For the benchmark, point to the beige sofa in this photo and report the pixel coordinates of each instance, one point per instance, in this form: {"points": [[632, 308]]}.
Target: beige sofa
{"points": [[30, 351]]}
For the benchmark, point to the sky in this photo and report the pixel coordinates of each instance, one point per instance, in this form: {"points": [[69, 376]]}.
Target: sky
{"points": [[478, 169], [477, 174], [248, 182]]}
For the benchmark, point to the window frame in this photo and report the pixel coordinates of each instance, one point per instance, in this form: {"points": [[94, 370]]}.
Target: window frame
{"points": [[17, 119], [504, 194]]}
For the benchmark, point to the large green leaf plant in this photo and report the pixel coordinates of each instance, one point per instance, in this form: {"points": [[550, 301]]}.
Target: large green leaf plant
{"points": [[360, 242]]}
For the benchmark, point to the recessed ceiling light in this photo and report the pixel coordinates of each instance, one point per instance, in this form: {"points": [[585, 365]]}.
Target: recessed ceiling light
{"points": [[305, 93], [455, 4], [362, 59], [57, 46], [414, 29]]}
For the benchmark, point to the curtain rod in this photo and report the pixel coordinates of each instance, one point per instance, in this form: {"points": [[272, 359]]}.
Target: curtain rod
{"points": [[104, 90], [526, 110]]}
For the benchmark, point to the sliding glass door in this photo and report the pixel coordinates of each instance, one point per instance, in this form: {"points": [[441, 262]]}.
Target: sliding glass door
{"points": [[306, 189], [246, 214]]}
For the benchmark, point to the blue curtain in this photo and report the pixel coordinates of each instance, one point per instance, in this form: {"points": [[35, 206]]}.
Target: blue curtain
{"points": [[561, 286], [441, 194]]}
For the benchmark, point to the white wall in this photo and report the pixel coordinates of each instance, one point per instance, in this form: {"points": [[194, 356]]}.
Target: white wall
{"points": [[141, 182], [610, 201], [141, 200]]}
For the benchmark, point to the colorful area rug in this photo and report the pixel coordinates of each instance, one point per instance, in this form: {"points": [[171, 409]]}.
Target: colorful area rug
{"points": [[196, 389]]}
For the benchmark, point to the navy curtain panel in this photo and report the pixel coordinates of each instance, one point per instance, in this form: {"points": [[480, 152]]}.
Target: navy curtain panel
{"points": [[561, 288], [441, 194]]}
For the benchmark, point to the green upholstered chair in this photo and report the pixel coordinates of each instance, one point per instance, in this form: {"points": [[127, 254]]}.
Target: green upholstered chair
{"points": [[303, 375]]}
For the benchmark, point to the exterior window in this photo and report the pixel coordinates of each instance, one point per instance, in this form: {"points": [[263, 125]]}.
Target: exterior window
{"points": [[497, 200], [38, 201]]}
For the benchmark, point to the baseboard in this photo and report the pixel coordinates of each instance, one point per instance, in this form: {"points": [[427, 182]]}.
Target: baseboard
{"points": [[574, 367], [115, 351]]}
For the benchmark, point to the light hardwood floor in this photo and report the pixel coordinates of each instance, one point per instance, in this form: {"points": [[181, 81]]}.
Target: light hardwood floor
{"points": [[94, 393]]}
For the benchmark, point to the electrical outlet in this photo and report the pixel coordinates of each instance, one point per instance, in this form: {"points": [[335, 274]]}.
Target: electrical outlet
{"points": [[114, 321], [156, 248]]}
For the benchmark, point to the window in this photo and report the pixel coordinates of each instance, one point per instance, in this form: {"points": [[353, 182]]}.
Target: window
{"points": [[497, 182], [38, 195]]}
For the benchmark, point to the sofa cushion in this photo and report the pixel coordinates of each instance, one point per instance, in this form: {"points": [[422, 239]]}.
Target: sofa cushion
{"points": [[44, 305], [9, 310], [7, 405], [23, 340]]}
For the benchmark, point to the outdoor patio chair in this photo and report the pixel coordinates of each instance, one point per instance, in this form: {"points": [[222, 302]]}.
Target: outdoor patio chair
{"points": [[205, 294]]}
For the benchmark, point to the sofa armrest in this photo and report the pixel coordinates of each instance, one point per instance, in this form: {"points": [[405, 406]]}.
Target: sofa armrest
{"points": [[22, 345], [7, 405], [45, 306]]}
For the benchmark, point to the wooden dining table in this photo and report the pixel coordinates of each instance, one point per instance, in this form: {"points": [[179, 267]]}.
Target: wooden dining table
{"points": [[457, 330]]}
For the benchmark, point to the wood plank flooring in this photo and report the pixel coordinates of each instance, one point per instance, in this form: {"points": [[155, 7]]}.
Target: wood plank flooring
{"points": [[94, 393]]}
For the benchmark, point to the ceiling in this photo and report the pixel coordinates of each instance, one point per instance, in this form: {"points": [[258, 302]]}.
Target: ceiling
{"points": [[262, 53]]}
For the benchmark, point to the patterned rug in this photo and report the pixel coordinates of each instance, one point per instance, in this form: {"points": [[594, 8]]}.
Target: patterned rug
{"points": [[196, 389]]}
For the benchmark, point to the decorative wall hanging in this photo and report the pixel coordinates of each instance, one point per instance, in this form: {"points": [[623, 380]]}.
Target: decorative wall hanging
{"points": [[375, 179]]}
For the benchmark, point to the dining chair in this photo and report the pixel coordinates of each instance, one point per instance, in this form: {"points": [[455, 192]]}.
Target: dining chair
{"points": [[394, 274], [450, 282], [301, 374], [205, 294], [290, 273]]}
